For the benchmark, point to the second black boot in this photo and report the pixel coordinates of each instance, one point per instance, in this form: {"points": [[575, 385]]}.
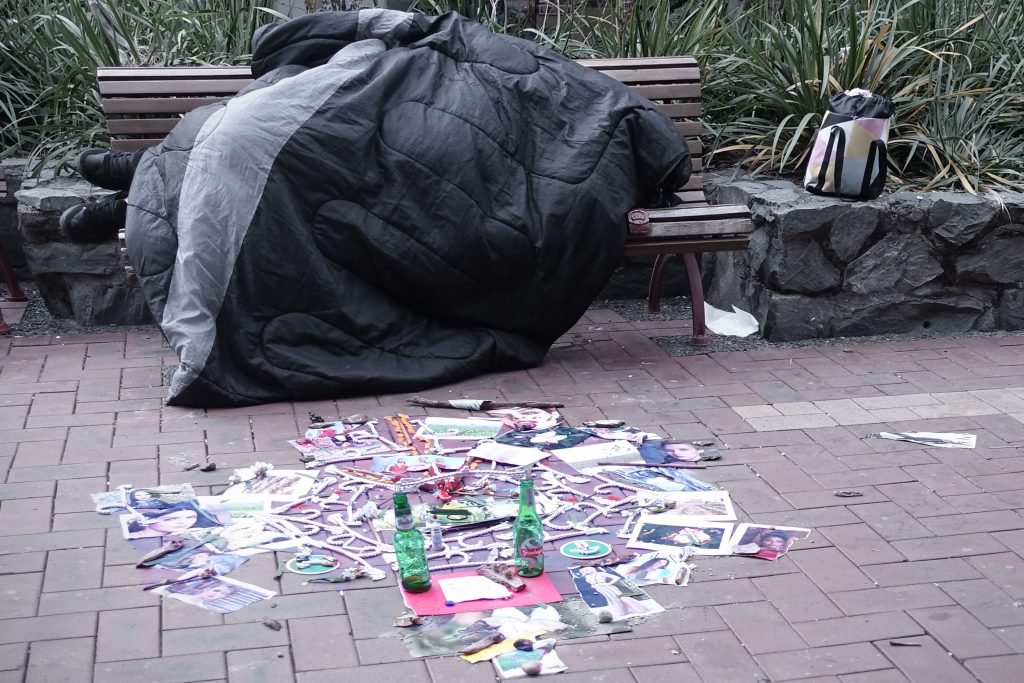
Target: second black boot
{"points": [[95, 221], [109, 169]]}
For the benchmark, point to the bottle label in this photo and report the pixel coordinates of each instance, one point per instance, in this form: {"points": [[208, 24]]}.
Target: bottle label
{"points": [[531, 548], [405, 522]]}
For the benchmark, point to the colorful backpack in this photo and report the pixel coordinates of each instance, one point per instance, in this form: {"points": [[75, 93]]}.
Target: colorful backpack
{"points": [[849, 155]]}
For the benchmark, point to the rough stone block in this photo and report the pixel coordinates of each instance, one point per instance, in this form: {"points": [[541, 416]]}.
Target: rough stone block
{"points": [[999, 260], [800, 267], [898, 263], [959, 218], [851, 230]]}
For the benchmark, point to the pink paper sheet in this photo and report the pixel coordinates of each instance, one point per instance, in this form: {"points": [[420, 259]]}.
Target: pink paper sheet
{"points": [[539, 589]]}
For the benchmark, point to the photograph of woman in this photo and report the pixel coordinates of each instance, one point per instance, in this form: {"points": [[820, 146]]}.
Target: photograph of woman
{"points": [[172, 520], [649, 568], [603, 590]]}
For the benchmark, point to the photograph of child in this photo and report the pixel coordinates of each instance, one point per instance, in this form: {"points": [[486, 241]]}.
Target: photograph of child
{"points": [[163, 522], [217, 594], [603, 590], [766, 542], [651, 568], [661, 532]]}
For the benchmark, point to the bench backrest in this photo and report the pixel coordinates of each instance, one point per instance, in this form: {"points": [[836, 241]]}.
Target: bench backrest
{"points": [[143, 104], [3, 183]]}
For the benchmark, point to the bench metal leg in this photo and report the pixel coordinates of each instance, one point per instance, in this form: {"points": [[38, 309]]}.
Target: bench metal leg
{"points": [[657, 275], [14, 292], [700, 336], [700, 333], [4, 327]]}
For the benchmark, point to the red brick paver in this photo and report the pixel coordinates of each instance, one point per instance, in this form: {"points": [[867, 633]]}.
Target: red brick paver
{"points": [[930, 556]]}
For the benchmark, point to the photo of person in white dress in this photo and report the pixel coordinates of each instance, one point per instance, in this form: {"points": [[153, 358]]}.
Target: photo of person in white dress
{"points": [[603, 590]]}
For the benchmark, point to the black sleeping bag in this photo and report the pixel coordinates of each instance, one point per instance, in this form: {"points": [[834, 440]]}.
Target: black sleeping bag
{"points": [[398, 201]]}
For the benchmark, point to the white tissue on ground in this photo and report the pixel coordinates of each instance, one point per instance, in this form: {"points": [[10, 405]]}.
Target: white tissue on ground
{"points": [[736, 324]]}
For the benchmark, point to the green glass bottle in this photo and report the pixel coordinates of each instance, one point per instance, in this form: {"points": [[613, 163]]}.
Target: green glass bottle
{"points": [[528, 533], [409, 547]]}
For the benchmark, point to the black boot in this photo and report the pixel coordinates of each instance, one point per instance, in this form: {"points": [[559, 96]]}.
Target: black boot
{"points": [[112, 170], [95, 221]]}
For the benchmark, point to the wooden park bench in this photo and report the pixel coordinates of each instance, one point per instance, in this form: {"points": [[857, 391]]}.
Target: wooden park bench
{"points": [[143, 104], [14, 292]]}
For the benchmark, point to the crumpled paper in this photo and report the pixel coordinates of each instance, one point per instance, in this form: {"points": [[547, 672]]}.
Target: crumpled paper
{"points": [[736, 324]]}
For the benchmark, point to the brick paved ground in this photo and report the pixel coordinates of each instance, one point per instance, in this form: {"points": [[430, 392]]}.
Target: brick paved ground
{"points": [[930, 554]]}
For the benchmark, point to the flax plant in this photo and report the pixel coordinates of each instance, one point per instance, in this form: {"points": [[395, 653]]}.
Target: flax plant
{"points": [[50, 49]]}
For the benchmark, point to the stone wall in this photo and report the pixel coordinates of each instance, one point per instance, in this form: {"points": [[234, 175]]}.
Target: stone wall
{"points": [[941, 262], [85, 282]]}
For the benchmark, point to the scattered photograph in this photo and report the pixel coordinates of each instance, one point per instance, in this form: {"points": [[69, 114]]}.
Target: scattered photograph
{"points": [[631, 434], [605, 590], [527, 418], [151, 498], [276, 483], [201, 557], [459, 428], [332, 448], [517, 456], [413, 462], [447, 634], [710, 505], [237, 507], [455, 513], [663, 532], [510, 664], [662, 567], [165, 521], [217, 594], [549, 440], [766, 542], [247, 538], [651, 478], [592, 455], [663, 451]]}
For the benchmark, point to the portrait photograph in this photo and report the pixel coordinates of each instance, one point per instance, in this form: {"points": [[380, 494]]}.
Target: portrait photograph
{"points": [[604, 590], [666, 532], [766, 542], [669, 568], [177, 519]]}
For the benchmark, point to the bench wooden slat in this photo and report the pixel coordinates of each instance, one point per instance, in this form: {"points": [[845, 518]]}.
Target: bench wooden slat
{"points": [[151, 126], [189, 73], [157, 105], [680, 91], [218, 86], [679, 110], [632, 63], [3, 183], [689, 128], [676, 213], [134, 144], [697, 228], [670, 75]]}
